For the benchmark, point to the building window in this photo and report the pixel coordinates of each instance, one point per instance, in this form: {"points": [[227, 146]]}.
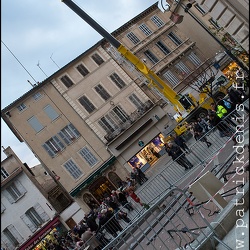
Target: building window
{"points": [[50, 112], [97, 59], [4, 173], [151, 56], [82, 69], [198, 7], [37, 96], [35, 124], [21, 107], [194, 59], [35, 217], [133, 38], [66, 81], [117, 80], [53, 146], [11, 237], [174, 39], [69, 134], [144, 28], [88, 156], [86, 103], [169, 76], [14, 191], [73, 169], [113, 120], [2, 207], [163, 47], [157, 21], [136, 101], [182, 68], [102, 92], [214, 23]]}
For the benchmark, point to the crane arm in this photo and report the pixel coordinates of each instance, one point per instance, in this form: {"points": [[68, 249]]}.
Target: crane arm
{"points": [[153, 78]]}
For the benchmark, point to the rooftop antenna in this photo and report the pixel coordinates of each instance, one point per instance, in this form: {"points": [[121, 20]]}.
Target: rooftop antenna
{"points": [[19, 62], [38, 65], [54, 61]]}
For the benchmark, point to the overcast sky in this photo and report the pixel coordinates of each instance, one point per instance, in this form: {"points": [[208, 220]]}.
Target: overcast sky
{"points": [[39, 32]]}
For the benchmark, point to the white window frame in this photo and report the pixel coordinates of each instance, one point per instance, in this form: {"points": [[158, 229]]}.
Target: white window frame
{"points": [[53, 146], [34, 217], [50, 112], [88, 156], [82, 69], [14, 192], [97, 59], [182, 67], [35, 124], [135, 100], [194, 59], [174, 38], [69, 134], [117, 80], [102, 92], [144, 28], [73, 169], [151, 56], [37, 96], [4, 173], [170, 77], [157, 21], [67, 81], [87, 104], [133, 38], [11, 237], [21, 107]]}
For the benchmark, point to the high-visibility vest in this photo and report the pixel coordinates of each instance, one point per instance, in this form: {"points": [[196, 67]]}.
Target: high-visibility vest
{"points": [[221, 111]]}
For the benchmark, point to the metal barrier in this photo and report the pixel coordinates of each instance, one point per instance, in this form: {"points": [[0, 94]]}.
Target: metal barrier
{"points": [[175, 219]]}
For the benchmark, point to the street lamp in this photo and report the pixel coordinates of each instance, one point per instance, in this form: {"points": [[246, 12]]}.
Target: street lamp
{"points": [[178, 18]]}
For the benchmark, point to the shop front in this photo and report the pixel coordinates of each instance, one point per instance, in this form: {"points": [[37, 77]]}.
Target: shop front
{"points": [[149, 154], [41, 238]]}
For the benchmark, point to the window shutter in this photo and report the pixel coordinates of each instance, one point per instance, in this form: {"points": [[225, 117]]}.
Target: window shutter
{"points": [[20, 187], [41, 212], [16, 234], [67, 141], [74, 130], [28, 223], [58, 142], [47, 148], [8, 196], [6, 241]]}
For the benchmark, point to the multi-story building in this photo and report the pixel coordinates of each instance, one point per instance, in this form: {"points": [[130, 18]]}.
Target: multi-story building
{"points": [[25, 212], [95, 118], [228, 21]]}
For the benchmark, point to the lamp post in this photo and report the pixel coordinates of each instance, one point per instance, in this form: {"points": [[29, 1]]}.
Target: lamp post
{"points": [[180, 18]]}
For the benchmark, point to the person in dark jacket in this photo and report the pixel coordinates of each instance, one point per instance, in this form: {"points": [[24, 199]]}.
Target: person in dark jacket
{"points": [[177, 155], [199, 134], [222, 126], [123, 200], [181, 143]]}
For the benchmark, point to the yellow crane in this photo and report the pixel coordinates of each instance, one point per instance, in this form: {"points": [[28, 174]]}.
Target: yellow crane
{"points": [[185, 103]]}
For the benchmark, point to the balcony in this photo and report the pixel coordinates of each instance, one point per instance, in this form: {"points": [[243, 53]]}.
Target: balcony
{"points": [[131, 119]]}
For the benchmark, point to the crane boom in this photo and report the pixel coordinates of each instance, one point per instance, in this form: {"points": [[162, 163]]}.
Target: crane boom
{"points": [[152, 77]]}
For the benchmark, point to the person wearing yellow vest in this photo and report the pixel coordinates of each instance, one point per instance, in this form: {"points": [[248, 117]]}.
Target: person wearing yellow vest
{"points": [[219, 110]]}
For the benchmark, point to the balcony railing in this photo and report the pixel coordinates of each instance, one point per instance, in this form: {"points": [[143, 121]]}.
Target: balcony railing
{"points": [[133, 117]]}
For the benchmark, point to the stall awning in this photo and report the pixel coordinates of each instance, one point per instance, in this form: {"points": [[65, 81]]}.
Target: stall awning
{"points": [[38, 236], [92, 176]]}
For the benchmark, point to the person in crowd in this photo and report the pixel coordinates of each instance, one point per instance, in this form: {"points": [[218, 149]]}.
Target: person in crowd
{"points": [[89, 239], [91, 222], [132, 194], [108, 221], [222, 112], [222, 126], [123, 200], [199, 134], [235, 98], [203, 122], [181, 143], [177, 155], [141, 175]]}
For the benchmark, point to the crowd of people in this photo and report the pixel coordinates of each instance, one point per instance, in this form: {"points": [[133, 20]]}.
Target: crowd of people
{"points": [[101, 221], [223, 115]]}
